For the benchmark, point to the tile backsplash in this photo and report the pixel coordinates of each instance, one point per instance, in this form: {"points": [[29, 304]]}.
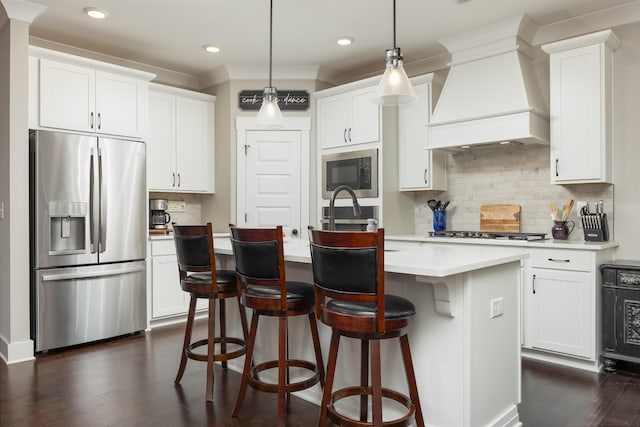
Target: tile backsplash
{"points": [[515, 175]]}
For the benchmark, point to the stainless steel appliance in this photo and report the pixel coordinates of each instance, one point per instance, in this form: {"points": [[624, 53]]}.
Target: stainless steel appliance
{"points": [[356, 169], [88, 238], [488, 235], [159, 218], [346, 220]]}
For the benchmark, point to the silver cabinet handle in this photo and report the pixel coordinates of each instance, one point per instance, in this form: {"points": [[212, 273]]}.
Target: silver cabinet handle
{"points": [[426, 173], [91, 120], [344, 135], [558, 260], [99, 121], [178, 180], [349, 134], [557, 161], [173, 179]]}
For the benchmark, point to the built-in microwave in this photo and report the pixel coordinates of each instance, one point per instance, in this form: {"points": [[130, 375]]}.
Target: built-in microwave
{"points": [[357, 169]]}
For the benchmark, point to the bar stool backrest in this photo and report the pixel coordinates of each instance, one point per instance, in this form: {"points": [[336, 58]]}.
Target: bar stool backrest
{"points": [[259, 257], [194, 250], [348, 266]]}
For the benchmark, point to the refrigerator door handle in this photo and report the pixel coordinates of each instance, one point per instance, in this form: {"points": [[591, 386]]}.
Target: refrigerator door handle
{"points": [[84, 274], [103, 205], [93, 204]]}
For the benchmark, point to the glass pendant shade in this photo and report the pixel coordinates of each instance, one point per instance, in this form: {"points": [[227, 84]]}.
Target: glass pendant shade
{"points": [[270, 116], [394, 87]]}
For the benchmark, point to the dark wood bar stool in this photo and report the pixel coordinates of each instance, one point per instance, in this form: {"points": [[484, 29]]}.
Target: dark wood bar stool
{"points": [[259, 259], [348, 271], [200, 278]]}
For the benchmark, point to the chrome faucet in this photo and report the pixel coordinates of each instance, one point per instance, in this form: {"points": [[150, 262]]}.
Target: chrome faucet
{"points": [[332, 208]]}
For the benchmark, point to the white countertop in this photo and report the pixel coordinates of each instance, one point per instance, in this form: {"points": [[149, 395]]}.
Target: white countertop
{"points": [[548, 243], [436, 260]]}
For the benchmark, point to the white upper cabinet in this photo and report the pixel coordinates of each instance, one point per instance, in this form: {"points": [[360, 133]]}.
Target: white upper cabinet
{"points": [[348, 118], [419, 168], [581, 84], [78, 97], [180, 144]]}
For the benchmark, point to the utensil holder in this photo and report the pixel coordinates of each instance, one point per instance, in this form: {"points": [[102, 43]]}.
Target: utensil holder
{"points": [[439, 220], [596, 228]]}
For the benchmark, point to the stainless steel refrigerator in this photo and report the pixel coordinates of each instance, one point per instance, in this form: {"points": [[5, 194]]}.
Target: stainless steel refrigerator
{"points": [[88, 238]]}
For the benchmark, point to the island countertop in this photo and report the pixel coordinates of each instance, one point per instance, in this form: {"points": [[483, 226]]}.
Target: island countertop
{"points": [[426, 260]]}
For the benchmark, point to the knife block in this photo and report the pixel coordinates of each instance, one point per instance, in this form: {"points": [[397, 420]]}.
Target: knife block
{"points": [[596, 228]]}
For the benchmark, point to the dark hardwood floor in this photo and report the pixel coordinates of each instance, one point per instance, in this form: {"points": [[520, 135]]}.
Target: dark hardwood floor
{"points": [[129, 382]]}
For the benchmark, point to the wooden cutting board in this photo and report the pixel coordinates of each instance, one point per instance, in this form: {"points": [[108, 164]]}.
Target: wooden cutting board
{"points": [[502, 218]]}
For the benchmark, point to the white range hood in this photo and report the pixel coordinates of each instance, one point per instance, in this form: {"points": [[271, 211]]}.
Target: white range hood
{"points": [[491, 94]]}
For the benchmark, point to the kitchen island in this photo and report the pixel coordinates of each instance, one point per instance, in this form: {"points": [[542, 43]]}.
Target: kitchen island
{"points": [[465, 336]]}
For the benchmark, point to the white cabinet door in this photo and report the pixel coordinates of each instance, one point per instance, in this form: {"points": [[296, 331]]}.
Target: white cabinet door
{"points": [[161, 168], [419, 168], [333, 121], [559, 312], [82, 99], [168, 299], [67, 96], [194, 160], [581, 91], [120, 105], [348, 118], [365, 117]]}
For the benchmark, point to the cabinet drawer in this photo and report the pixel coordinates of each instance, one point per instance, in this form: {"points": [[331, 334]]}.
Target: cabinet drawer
{"points": [[163, 247], [562, 260]]}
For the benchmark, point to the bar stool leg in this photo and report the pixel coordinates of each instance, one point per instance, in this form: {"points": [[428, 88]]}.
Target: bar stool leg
{"points": [[364, 379], [316, 345], [247, 364], [331, 370], [223, 331], [282, 368], [187, 338], [376, 381], [411, 378], [243, 319], [211, 334]]}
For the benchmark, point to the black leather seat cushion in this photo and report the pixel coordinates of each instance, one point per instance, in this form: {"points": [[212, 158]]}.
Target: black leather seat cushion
{"points": [[295, 290], [197, 282], [395, 307]]}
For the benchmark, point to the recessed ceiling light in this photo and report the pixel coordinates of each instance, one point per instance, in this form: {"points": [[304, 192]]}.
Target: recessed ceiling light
{"points": [[345, 41], [211, 48], [96, 13]]}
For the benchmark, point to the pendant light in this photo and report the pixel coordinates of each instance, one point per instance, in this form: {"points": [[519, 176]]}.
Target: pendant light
{"points": [[395, 87], [270, 115]]}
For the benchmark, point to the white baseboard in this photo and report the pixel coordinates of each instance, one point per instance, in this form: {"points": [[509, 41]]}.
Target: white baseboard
{"points": [[510, 418], [16, 351]]}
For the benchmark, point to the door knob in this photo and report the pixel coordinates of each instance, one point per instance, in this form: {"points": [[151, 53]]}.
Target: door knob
{"points": [[294, 231]]}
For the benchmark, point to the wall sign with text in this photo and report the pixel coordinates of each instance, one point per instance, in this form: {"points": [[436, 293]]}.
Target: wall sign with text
{"points": [[288, 100]]}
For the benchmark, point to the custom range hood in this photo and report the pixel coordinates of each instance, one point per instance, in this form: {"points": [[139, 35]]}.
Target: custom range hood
{"points": [[491, 94]]}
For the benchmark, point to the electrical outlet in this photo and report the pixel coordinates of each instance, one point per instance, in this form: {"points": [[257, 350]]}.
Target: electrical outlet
{"points": [[497, 308], [176, 206], [579, 206]]}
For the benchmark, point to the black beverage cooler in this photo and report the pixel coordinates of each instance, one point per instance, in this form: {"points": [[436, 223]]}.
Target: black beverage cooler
{"points": [[620, 312]]}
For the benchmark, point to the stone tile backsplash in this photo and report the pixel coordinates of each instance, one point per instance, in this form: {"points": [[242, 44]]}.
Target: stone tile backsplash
{"points": [[516, 174]]}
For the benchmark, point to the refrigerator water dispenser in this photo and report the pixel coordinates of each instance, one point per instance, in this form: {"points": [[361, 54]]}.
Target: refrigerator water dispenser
{"points": [[67, 225]]}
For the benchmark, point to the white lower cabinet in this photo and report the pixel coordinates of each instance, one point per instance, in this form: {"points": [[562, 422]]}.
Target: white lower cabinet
{"points": [[561, 311], [167, 297], [561, 314]]}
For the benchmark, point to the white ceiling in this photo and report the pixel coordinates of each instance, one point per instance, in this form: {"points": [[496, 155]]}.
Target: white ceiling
{"points": [[170, 33]]}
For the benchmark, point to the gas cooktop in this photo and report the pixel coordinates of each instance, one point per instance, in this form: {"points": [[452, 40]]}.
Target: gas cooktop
{"points": [[488, 235]]}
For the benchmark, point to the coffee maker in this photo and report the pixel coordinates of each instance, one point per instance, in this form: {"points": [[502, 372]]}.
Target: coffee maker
{"points": [[158, 215]]}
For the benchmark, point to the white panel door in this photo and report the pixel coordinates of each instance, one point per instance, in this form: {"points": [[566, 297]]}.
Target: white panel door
{"points": [[273, 178]]}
